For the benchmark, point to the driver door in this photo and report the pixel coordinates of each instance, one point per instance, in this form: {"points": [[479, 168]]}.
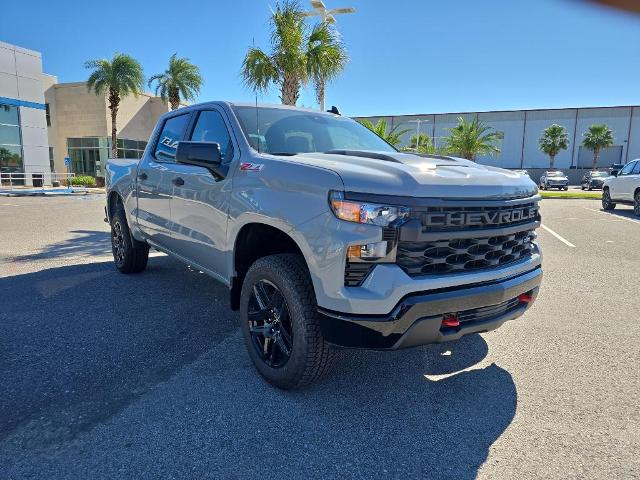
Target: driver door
{"points": [[200, 199], [621, 187]]}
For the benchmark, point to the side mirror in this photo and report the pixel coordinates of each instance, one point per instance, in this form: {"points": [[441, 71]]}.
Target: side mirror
{"points": [[614, 173], [201, 154]]}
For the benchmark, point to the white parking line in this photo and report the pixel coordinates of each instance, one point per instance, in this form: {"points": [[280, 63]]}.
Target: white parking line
{"points": [[562, 239], [613, 215]]}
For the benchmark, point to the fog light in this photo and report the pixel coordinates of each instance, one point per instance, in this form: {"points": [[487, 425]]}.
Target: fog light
{"points": [[370, 251]]}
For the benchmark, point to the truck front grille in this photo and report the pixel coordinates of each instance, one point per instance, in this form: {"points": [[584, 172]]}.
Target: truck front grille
{"points": [[463, 254]]}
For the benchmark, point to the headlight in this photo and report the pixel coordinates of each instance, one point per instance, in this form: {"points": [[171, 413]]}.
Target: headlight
{"points": [[365, 212]]}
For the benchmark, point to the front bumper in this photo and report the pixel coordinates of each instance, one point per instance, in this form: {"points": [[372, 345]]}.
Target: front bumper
{"points": [[417, 318]]}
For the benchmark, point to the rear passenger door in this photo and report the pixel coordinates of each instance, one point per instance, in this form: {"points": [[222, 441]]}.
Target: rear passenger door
{"points": [[153, 183], [200, 200]]}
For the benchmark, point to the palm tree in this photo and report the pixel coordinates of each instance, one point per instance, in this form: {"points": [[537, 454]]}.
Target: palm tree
{"points": [[118, 78], [392, 137], [422, 144], [326, 58], [553, 140], [595, 139], [296, 56], [182, 80], [470, 139]]}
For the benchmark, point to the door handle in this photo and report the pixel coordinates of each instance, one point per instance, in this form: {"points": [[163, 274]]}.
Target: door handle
{"points": [[178, 181], [142, 176]]}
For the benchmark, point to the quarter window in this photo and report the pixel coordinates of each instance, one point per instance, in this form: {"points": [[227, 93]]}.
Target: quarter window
{"points": [[210, 127], [172, 132]]}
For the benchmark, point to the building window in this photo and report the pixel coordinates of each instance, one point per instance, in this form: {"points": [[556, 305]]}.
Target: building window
{"points": [[10, 142], [51, 160], [89, 154], [48, 114]]}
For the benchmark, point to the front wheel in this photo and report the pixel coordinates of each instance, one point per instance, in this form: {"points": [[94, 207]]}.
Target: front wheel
{"points": [[279, 322], [567, 188], [129, 255], [607, 203], [636, 204]]}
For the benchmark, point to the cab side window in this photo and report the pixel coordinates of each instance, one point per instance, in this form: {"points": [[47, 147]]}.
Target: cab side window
{"points": [[172, 132], [626, 170], [636, 169], [210, 127]]}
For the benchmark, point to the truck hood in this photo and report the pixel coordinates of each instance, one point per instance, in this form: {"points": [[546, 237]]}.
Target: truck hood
{"points": [[405, 174]]}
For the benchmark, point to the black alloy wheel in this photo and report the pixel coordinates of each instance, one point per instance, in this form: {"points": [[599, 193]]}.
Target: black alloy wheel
{"points": [[607, 203], [270, 324], [118, 246]]}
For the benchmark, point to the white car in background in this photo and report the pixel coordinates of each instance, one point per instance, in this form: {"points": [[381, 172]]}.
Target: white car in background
{"points": [[554, 179], [623, 187]]}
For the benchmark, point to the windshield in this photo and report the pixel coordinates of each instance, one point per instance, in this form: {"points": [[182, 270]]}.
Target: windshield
{"points": [[287, 132], [599, 174], [555, 174]]}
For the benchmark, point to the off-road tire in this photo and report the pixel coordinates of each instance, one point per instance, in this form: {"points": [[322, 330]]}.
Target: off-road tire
{"points": [[310, 356], [607, 204], [129, 255]]}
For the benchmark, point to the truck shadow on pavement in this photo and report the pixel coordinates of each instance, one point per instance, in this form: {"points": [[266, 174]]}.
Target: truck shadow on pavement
{"points": [[116, 363], [85, 243]]}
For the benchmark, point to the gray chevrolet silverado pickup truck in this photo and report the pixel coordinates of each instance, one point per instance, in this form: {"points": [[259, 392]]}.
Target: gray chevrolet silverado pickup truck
{"points": [[325, 234]]}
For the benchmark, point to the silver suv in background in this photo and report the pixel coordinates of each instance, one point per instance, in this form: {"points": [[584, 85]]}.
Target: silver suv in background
{"points": [[325, 234], [623, 187], [554, 179]]}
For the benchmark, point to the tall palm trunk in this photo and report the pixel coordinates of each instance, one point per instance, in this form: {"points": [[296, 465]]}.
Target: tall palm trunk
{"points": [[114, 102], [174, 98], [320, 92], [596, 152], [552, 161], [290, 90]]}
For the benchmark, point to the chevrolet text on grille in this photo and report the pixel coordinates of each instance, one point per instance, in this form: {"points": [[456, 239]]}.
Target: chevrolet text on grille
{"points": [[479, 218]]}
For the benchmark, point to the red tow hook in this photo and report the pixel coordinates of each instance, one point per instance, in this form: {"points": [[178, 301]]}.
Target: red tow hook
{"points": [[450, 320], [525, 298]]}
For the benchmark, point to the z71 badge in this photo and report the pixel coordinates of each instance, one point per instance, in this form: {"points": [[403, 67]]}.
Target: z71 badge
{"points": [[251, 167]]}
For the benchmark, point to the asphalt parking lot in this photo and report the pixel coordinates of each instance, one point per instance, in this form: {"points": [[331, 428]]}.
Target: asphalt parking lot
{"points": [[145, 376]]}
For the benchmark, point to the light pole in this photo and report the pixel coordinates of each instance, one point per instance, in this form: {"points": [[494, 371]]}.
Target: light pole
{"points": [[418, 122], [327, 15]]}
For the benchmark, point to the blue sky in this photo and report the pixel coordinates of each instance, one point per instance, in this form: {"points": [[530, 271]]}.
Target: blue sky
{"points": [[419, 56]]}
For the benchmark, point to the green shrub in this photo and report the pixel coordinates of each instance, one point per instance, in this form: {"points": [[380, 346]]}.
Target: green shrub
{"points": [[83, 180]]}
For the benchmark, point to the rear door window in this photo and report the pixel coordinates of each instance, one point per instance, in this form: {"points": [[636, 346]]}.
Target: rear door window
{"points": [[172, 132]]}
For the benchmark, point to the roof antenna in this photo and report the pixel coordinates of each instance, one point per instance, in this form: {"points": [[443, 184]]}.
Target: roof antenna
{"points": [[253, 41], [334, 110], [257, 124]]}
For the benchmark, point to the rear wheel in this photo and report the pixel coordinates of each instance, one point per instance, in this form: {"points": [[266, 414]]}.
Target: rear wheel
{"points": [[129, 255], [607, 203], [279, 322]]}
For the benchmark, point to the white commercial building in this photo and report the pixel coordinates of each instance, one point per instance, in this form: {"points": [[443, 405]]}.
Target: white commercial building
{"points": [[522, 130], [23, 123]]}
